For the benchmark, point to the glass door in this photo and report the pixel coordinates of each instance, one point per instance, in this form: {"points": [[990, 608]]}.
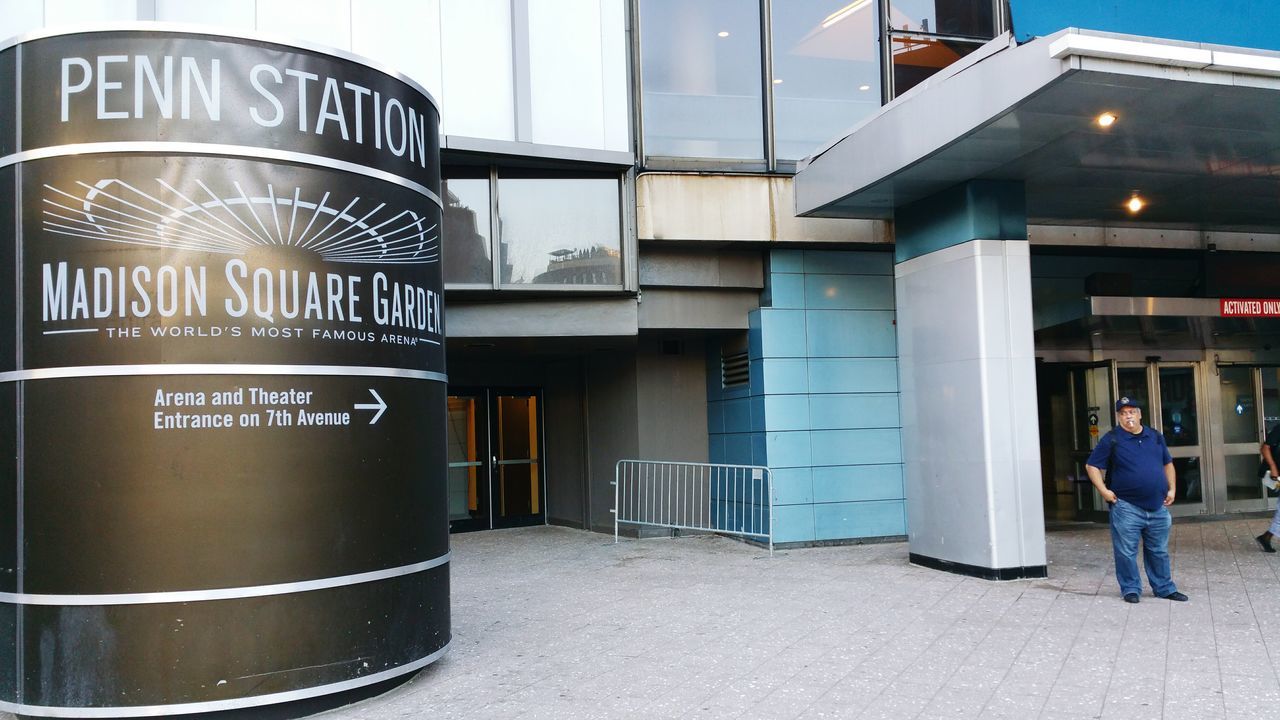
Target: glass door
{"points": [[468, 454], [516, 461], [495, 465], [1243, 411], [1092, 418], [1169, 395], [1176, 413]]}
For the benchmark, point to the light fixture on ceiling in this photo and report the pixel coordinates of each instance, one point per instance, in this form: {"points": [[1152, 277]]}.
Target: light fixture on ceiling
{"points": [[1135, 204], [844, 12], [864, 88], [1106, 119], [777, 81], [723, 33]]}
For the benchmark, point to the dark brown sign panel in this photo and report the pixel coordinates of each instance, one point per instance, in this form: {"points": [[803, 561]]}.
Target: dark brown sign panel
{"points": [[225, 469]]}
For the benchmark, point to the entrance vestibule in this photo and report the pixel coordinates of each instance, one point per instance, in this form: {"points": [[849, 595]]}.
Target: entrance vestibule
{"points": [[495, 459], [1213, 413]]}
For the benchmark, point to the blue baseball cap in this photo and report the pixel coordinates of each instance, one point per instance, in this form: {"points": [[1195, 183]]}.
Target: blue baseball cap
{"points": [[1125, 402]]}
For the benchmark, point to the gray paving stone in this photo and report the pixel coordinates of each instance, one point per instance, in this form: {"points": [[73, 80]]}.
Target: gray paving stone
{"points": [[557, 623]]}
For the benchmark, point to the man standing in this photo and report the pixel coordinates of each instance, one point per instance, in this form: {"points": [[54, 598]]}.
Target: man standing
{"points": [[1270, 456], [1140, 471]]}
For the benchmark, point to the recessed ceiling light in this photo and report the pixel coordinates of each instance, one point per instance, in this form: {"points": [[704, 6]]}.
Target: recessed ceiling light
{"points": [[723, 33], [1135, 204], [864, 87], [777, 81], [1106, 119]]}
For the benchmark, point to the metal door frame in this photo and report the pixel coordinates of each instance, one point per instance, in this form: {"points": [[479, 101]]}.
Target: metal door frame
{"points": [[485, 435], [538, 518], [1221, 446]]}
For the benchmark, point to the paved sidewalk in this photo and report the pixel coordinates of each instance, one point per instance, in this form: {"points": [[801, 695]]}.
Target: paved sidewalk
{"points": [[557, 623]]}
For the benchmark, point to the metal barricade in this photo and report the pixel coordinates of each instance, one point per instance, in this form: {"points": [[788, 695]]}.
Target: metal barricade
{"points": [[728, 499]]}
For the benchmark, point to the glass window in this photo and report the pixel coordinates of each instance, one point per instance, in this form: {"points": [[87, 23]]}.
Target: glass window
{"points": [[916, 58], [1179, 416], [700, 69], [476, 97], [826, 71], [1239, 406], [467, 258], [974, 18], [560, 231]]}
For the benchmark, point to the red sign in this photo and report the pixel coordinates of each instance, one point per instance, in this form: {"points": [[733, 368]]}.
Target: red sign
{"points": [[1250, 307]]}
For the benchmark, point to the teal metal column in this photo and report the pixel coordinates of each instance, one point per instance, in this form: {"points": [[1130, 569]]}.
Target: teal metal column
{"points": [[970, 434]]}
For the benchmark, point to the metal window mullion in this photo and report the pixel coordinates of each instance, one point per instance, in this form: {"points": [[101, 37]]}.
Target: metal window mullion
{"points": [[521, 75], [886, 52], [495, 229], [766, 71], [630, 243], [634, 72]]}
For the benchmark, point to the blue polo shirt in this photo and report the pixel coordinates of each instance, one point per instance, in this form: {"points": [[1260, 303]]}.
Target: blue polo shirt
{"points": [[1137, 472]]}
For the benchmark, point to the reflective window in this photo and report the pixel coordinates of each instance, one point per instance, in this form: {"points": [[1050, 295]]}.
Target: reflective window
{"points": [[974, 18], [578, 74], [466, 230], [917, 58], [826, 71], [701, 76], [916, 55], [560, 231]]}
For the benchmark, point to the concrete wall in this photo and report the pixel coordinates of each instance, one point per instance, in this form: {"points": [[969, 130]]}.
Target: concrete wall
{"points": [[678, 207], [564, 434], [612, 427], [672, 403]]}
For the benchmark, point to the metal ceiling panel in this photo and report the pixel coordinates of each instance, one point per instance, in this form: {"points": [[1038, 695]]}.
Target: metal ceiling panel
{"points": [[1200, 146]]}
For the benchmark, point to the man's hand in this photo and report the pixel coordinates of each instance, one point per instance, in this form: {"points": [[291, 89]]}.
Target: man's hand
{"points": [[1107, 495], [1168, 498]]}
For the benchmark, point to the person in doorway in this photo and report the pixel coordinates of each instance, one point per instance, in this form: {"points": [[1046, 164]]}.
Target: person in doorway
{"points": [[1270, 454], [1141, 478]]}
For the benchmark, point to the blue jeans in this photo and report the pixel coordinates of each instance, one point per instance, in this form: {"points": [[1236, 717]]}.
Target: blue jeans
{"points": [[1129, 523]]}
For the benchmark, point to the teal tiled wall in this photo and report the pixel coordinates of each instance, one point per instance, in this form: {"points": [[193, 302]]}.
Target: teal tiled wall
{"points": [[822, 407]]}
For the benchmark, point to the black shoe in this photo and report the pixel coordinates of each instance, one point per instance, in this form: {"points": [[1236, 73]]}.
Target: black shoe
{"points": [[1265, 541], [1133, 598], [1176, 597]]}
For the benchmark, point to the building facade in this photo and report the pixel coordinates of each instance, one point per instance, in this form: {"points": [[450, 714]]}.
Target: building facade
{"points": [[624, 236]]}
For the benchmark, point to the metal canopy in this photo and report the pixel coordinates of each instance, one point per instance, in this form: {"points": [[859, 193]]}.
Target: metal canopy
{"points": [[1197, 135]]}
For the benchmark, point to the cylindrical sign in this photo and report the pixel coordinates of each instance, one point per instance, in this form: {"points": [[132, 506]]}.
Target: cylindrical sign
{"points": [[222, 373]]}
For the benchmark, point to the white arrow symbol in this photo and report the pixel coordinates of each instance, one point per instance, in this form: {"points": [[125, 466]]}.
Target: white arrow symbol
{"points": [[381, 406]]}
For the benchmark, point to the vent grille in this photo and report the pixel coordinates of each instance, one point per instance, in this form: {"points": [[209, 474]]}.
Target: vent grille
{"points": [[735, 370]]}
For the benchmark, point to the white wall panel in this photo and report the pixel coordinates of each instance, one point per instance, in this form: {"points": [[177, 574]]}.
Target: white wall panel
{"points": [[613, 62], [476, 95], [18, 17], [77, 12], [327, 22], [566, 72], [403, 34], [230, 14]]}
